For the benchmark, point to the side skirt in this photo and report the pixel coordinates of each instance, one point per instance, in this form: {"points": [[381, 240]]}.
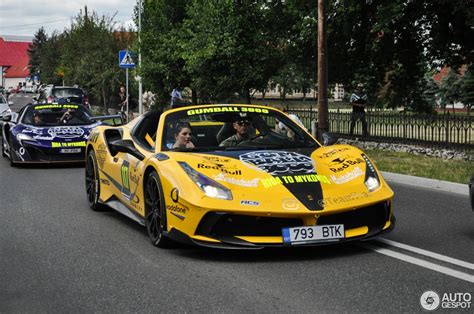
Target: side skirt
{"points": [[123, 209]]}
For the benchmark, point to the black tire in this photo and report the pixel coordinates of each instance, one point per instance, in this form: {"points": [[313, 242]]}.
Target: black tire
{"points": [[93, 182], [3, 148], [12, 163], [155, 212]]}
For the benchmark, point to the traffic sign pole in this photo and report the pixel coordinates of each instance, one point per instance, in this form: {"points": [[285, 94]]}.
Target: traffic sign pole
{"points": [[126, 61], [126, 92]]}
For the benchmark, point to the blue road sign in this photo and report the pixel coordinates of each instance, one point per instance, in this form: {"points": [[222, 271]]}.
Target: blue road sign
{"points": [[126, 59]]}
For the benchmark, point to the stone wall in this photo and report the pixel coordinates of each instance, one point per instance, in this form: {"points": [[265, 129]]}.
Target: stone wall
{"points": [[416, 150]]}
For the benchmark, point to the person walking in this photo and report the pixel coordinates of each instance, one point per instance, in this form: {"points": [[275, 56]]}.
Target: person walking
{"points": [[359, 101], [176, 97]]}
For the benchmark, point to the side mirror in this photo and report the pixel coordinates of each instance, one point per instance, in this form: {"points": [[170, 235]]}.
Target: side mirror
{"points": [[10, 103], [7, 118], [125, 146], [329, 139]]}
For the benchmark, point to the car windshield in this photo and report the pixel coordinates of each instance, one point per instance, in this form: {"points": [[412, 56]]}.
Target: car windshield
{"points": [[57, 114], [232, 127], [2, 100], [67, 92]]}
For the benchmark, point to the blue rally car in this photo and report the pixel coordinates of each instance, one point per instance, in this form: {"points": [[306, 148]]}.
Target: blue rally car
{"points": [[55, 132]]}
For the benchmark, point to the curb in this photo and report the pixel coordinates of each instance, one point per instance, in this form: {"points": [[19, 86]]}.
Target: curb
{"points": [[445, 186]]}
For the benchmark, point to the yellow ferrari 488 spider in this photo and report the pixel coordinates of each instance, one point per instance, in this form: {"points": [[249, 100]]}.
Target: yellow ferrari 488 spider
{"points": [[235, 176]]}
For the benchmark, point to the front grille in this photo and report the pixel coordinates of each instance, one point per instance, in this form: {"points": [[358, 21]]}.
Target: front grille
{"points": [[52, 154], [221, 225], [216, 224], [374, 216]]}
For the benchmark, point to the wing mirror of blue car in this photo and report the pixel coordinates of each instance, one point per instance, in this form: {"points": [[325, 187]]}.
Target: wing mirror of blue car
{"points": [[125, 146], [7, 118], [329, 139]]}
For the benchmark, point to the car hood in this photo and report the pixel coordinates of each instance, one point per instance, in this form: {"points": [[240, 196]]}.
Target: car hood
{"points": [[313, 177], [56, 134]]}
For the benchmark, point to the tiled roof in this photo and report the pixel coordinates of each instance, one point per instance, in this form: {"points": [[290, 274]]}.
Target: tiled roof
{"points": [[19, 69], [14, 56]]}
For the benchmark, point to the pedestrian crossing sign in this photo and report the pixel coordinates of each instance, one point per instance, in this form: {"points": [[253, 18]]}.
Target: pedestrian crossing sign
{"points": [[126, 59]]}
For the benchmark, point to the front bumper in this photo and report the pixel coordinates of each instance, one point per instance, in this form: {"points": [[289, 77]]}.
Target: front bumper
{"points": [[232, 231], [30, 153]]}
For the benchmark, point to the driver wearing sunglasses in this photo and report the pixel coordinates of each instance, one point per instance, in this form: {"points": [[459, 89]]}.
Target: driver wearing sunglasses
{"points": [[242, 128]]}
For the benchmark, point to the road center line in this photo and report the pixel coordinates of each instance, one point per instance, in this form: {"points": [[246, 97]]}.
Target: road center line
{"points": [[437, 256], [417, 261]]}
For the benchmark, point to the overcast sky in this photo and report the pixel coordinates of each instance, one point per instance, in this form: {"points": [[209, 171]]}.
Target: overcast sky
{"points": [[25, 17]]}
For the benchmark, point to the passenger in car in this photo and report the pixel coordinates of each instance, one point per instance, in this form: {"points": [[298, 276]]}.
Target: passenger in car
{"points": [[242, 128], [182, 135], [37, 118]]}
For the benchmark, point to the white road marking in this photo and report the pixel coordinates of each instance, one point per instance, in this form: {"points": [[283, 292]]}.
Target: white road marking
{"points": [[440, 257], [420, 262]]}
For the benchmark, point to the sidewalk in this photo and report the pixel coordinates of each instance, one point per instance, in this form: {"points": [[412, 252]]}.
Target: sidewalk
{"points": [[445, 186]]}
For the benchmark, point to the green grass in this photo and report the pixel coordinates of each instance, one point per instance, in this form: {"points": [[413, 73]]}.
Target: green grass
{"points": [[423, 166]]}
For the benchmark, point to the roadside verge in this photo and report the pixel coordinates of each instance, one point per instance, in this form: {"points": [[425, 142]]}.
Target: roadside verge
{"points": [[445, 186]]}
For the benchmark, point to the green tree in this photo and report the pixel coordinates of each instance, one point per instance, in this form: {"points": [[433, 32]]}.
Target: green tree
{"points": [[450, 89], [89, 56], [448, 31], [467, 88], [49, 59], [224, 48], [34, 51], [163, 68], [430, 91]]}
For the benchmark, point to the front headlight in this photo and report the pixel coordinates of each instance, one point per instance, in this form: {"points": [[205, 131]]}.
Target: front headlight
{"points": [[210, 187], [372, 183], [371, 177], [23, 137]]}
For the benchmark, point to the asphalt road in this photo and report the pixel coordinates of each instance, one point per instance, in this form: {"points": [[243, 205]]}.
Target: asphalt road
{"points": [[56, 255], [19, 100]]}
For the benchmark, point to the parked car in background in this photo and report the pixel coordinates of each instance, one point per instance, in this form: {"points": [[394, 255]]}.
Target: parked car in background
{"points": [[27, 89], [72, 94], [4, 107]]}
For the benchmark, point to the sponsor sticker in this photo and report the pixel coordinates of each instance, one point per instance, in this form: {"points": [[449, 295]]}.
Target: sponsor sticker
{"points": [[174, 194], [68, 144], [278, 162], [241, 182], [332, 152], [290, 204], [294, 179], [220, 168], [53, 106], [342, 199], [225, 109], [342, 163], [249, 203], [176, 208], [349, 176], [65, 132]]}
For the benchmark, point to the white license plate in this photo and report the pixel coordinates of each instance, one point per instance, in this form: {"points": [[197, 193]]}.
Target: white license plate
{"points": [[300, 235], [70, 150]]}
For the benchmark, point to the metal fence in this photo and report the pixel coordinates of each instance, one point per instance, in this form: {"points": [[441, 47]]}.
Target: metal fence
{"points": [[436, 131]]}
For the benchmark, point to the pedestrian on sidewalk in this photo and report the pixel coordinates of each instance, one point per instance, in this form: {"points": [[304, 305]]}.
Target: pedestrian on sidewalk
{"points": [[359, 102]]}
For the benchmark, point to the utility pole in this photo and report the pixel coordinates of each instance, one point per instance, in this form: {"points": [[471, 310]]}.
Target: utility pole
{"points": [[140, 85], [323, 125]]}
